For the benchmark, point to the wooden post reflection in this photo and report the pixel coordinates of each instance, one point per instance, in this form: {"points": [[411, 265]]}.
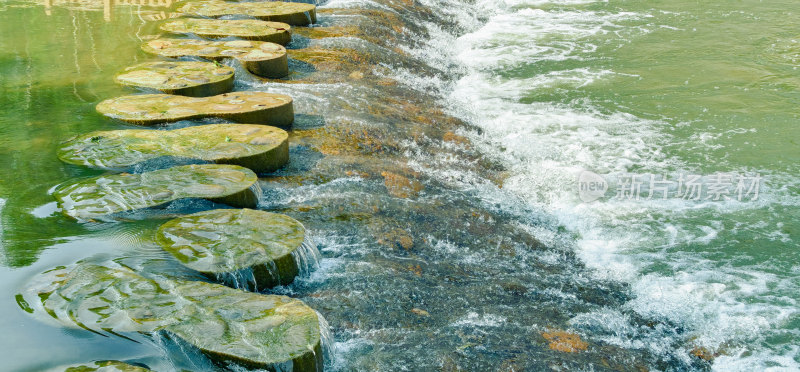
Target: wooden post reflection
{"points": [[107, 10], [108, 5]]}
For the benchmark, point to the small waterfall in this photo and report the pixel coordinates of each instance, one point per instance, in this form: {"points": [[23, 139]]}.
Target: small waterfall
{"points": [[307, 256], [243, 279], [180, 355], [326, 340], [258, 192]]}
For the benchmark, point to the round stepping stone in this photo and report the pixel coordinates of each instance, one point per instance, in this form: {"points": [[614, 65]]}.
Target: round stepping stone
{"points": [[100, 366], [259, 57], [220, 242], [258, 147], [276, 333], [297, 14], [243, 107], [104, 195], [249, 29], [195, 79]]}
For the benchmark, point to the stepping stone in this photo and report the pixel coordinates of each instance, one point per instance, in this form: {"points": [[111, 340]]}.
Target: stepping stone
{"points": [[270, 247], [276, 333], [104, 195], [258, 147], [100, 366], [250, 29], [243, 107], [195, 79], [259, 57], [297, 14]]}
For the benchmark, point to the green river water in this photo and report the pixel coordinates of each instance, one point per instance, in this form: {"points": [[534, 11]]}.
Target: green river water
{"points": [[658, 88]]}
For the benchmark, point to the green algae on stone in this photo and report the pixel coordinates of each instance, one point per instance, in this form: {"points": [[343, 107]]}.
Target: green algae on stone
{"points": [[243, 107], [259, 57], [297, 14], [258, 147], [194, 79], [100, 366], [225, 241], [257, 331], [104, 195], [249, 29]]}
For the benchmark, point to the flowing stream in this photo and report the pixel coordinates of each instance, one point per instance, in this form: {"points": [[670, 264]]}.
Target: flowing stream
{"points": [[435, 162]]}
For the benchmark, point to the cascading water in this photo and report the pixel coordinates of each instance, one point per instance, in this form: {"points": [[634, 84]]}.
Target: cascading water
{"points": [[434, 157]]}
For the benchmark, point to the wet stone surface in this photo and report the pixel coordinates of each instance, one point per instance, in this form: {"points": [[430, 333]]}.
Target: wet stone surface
{"points": [[100, 366], [220, 243], [195, 79], [243, 107], [298, 14], [260, 58], [249, 29], [228, 325], [258, 147], [100, 196]]}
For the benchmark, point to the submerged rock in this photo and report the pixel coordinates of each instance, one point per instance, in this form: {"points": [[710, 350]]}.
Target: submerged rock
{"points": [[298, 14], [195, 79], [399, 186], [250, 29], [564, 341], [222, 242], [258, 147], [259, 57], [101, 366], [244, 107], [228, 325], [104, 195]]}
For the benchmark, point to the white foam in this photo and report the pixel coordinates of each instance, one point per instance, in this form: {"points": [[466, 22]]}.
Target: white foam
{"points": [[546, 144], [472, 319]]}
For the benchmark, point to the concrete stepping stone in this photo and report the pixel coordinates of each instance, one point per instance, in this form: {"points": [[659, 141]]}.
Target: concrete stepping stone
{"points": [[259, 57], [100, 366], [104, 195], [272, 248], [258, 147], [194, 79], [243, 107], [296, 14], [257, 331], [249, 29]]}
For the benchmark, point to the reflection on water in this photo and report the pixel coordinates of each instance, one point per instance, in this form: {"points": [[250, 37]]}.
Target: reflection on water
{"points": [[107, 6]]}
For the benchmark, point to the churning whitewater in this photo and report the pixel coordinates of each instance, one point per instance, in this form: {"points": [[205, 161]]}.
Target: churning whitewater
{"points": [[519, 68]]}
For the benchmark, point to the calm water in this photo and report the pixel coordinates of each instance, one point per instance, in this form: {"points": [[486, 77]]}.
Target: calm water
{"points": [[550, 88]]}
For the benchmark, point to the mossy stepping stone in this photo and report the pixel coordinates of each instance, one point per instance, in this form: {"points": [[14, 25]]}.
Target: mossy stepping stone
{"points": [[259, 57], [253, 330], [195, 79], [226, 241], [104, 195], [258, 147], [100, 366], [249, 29], [298, 14], [243, 107]]}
